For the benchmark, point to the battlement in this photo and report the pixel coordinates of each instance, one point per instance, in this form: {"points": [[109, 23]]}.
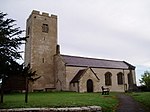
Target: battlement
{"points": [[43, 14], [35, 12]]}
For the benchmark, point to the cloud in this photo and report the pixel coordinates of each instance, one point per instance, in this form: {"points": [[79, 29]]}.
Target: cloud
{"points": [[115, 22], [110, 29]]}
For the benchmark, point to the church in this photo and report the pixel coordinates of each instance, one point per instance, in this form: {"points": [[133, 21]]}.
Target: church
{"points": [[69, 73]]}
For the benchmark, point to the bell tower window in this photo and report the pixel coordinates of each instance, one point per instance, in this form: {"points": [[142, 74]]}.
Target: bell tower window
{"points": [[45, 28]]}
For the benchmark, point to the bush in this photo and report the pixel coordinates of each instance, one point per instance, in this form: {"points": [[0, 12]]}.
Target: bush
{"points": [[144, 88]]}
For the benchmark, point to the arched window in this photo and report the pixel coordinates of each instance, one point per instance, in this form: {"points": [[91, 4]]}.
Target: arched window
{"points": [[120, 78], [108, 78]]}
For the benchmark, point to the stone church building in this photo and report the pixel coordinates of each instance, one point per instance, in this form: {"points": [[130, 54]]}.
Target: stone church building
{"points": [[69, 73]]}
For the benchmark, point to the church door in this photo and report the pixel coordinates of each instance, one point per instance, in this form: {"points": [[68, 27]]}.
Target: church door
{"points": [[89, 85]]}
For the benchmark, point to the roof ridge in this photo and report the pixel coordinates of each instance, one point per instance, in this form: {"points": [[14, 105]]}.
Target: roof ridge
{"points": [[91, 58], [94, 62]]}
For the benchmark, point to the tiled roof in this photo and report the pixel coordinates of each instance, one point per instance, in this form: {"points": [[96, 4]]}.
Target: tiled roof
{"points": [[78, 75], [93, 62]]}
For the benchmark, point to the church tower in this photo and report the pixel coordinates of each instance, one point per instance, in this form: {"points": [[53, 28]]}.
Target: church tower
{"points": [[40, 48]]}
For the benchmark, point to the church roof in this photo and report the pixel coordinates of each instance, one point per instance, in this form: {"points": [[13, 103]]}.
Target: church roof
{"points": [[78, 75], [95, 63]]}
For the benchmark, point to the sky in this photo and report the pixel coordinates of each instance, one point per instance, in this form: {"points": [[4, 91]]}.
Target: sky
{"points": [[105, 29]]}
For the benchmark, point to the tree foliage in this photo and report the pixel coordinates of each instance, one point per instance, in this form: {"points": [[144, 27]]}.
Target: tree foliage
{"points": [[145, 79], [30, 76], [10, 42]]}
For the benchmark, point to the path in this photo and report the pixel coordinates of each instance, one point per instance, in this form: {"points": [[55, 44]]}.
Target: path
{"points": [[127, 104]]}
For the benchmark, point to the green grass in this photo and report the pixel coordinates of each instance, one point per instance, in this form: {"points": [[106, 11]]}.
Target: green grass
{"points": [[143, 98], [61, 99]]}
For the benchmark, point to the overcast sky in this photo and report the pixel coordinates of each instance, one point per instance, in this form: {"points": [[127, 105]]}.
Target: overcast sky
{"points": [[107, 29]]}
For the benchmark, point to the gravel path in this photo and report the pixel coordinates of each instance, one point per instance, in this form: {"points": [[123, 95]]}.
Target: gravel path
{"points": [[127, 104]]}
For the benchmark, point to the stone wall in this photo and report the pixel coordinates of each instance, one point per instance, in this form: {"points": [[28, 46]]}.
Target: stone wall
{"points": [[60, 73], [100, 72], [83, 81], [70, 73], [71, 109]]}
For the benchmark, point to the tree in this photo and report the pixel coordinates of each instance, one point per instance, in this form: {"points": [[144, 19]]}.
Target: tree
{"points": [[10, 42], [145, 79], [30, 76]]}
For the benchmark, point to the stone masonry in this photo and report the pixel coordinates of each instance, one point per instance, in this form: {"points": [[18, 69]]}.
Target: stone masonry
{"points": [[40, 48]]}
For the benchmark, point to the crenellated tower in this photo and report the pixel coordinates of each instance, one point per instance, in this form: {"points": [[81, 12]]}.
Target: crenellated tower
{"points": [[40, 48]]}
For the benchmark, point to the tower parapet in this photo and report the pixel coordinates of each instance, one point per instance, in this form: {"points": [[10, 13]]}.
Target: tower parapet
{"points": [[35, 12]]}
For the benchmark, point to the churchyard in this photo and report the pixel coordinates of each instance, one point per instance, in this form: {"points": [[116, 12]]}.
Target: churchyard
{"points": [[60, 99], [69, 99], [142, 97]]}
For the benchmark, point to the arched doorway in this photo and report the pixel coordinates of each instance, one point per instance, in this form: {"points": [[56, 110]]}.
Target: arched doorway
{"points": [[89, 85]]}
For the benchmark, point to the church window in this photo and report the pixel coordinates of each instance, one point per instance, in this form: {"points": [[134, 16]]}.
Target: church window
{"points": [[108, 78], [45, 28], [43, 60], [120, 78]]}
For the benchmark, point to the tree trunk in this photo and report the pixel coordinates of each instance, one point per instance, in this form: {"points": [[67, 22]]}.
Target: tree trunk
{"points": [[26, 93], [2, 92]]}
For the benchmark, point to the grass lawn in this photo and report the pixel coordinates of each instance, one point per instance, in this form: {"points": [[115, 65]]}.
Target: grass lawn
{"points": [[61, 99], [143, 98]]}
